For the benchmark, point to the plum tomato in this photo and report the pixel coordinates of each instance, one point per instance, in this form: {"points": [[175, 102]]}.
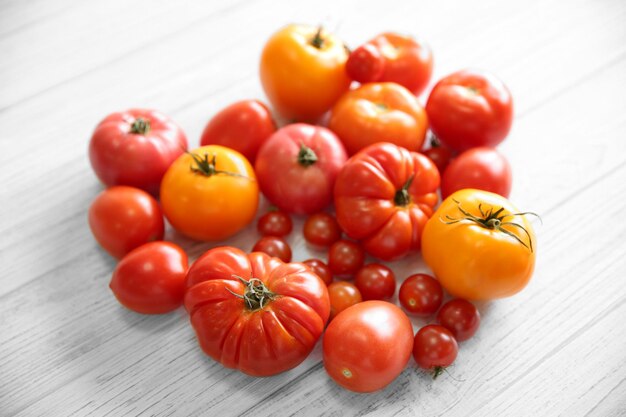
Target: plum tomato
{"points": [[321, 229], [274, 223], [365, 64], [460, 317], [434, 348], [345, 258], [321, 269], [421, 295], [342, 294], [375, 282], [274, 246]]}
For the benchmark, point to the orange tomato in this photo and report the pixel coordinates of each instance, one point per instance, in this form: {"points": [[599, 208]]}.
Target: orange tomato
{"points": [[479, 246], [210, 193], [379, 112], [303, 71]]}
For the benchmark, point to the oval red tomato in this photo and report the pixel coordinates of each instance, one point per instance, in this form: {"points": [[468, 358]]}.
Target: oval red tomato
{"points": [[345, 258], [321, 269], [274, 246], [460, 317], [375, 282], [434, 349], [274, 223], [365, 64], [421, 294], [321, 229]]}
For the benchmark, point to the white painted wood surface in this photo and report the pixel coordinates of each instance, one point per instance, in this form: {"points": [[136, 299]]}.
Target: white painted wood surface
{"points": [[68, 348]]}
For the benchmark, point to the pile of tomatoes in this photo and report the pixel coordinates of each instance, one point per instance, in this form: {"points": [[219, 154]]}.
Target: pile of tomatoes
{"points": [[354, 161]]}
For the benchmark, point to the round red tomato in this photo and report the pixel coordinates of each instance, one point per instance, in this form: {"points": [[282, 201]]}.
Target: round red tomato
{"points": [[297, 166], [253, 312], [434, 349], [122, 218], [460, 317], [135, 148], [274, 223], [365, 64], [342, 294], [321, 229], [274, 246], [421, 294], [151, 278], [375, 282], [345, 258], [384, 196], [321, 269], [367, 346], [470, 108]]}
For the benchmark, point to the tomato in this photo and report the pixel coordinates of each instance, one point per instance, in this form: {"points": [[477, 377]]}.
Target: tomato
{"points": [[135, 148], [421, 294], [440, 155], [383, 196], [367, 346], [253, 312], [275, 223], [470, 108], [460, 317], [479, 246], [321, 270], [210, 193], [151, 278], [434, 349], [321, 229], [123, 218], [345, 258], [342, 294], [365, 64], [481, 168], [375, 282], [379, 112], [297, 167], [274, 246], [303, 71], [243, 126]]}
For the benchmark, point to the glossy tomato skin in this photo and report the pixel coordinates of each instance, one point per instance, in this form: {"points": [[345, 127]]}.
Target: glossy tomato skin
{"points": [[368, 194], [460, 317], [365, 64], [297, 167], [470, 108], [345, 258], [274, 246], [367, 346], [342, 294], [135, 148], [275, 223], [434, 347], [421, 295], [210, 207], [474, 262], [379, 112], [243, 126], [263, 341], [151, 278], [123, 218], [321, 229], [440, 156], [321, 269], [481, 168], [375, 282], [301, 77]]}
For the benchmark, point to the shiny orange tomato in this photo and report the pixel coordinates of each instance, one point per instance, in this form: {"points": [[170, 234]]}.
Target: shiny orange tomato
{"points": [[379, 112], [303, 71], [210, 193], [479, 246]]}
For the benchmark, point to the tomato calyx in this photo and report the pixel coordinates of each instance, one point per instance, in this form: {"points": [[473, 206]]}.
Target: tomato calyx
{"points": [[208, 168], [317, 40], [256, 295], [306, 156], [437, 371], [140, 126], [402, 197]]}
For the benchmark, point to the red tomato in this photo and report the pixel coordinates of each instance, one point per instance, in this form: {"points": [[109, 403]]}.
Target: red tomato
{"points": [[365, 64], [297, 166], [274, 246], [254, 312], [123, 218], [384, 196], [342, 294], [434, 349], [460, 317], [151, 278], [321, 269], [440, 155], [321, 229], [375, 282], [480, 168], [274, 223], [470, 108], [367, 346], [345, 258], [135, 148], [421, 294], [243, 126]]}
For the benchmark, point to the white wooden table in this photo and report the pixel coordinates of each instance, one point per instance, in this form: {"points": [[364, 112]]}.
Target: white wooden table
{"points": [[68, 348]]}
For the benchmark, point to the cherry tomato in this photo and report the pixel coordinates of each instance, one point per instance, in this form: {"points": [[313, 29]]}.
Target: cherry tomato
{"points": [[440, 155], [365, 64], [367, 346], [434, 348], [421, 294], [135, 148], [321, 269], [273, 246], [123, 218], [151, 278], [342, 294], [274, 223], [243, 126], [345, 258], [375, 282], [321, 229], [460, 317], [470, 108], [481, 168]]}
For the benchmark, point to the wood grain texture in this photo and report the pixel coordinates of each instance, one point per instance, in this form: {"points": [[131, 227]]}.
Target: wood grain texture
{"points": [[67, 347]]}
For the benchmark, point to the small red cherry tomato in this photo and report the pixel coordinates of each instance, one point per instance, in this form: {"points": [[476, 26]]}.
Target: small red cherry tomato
{"points": [[375, 282], [440, 155], [434, 348], [421, 294], [275, 223], [321, 269], [321, 229], [345, 258], [273, 246], [460, 317], [365, 64], [343, 294]]}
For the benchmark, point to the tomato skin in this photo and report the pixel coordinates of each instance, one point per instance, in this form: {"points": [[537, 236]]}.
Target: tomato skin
{"points": [[460, 317], [440, 156], [243, 126], [434, 347], [375, 282], [301, 80], [120, 157], [151, 278], [259, 342], [275, 223], [367, 346], [321, 269], [474, 262], [321, 229], [342, 294], [365, 64], [421, 295], [365, 199], [273, 246], [470, 108], [123, 218], [345, 258], [289, 179], [480, 168], [379, 112], [213, 207]]}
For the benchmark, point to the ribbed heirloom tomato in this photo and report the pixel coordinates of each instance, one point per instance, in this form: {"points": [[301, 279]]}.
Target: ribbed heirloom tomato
{"points": [[253, 312]]}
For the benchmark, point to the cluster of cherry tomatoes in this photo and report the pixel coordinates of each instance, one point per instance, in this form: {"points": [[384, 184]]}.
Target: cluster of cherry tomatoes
{"points": [[355, 142]]}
